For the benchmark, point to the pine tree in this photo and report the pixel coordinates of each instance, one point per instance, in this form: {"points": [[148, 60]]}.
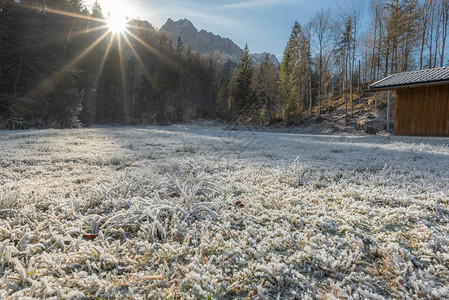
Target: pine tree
{"points": [[243, 92], [285, 77], [293, 73], [179, 46], [97, 11], [265, 86]]}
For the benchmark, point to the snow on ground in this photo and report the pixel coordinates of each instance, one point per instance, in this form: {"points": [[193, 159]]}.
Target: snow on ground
{"points": [[197, 212]]}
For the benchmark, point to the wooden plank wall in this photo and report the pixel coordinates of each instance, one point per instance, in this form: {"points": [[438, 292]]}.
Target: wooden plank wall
{"points": [[422, 111]]}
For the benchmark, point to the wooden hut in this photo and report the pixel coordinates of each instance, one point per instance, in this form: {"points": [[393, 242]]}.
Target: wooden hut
{"points": [[422, 101]]}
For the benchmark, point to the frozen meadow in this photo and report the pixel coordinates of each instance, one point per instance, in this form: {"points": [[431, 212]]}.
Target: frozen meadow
{"points": [[193, 211]]}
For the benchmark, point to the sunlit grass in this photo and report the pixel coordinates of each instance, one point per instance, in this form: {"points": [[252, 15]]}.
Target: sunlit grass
{"points": [[165, 211]]}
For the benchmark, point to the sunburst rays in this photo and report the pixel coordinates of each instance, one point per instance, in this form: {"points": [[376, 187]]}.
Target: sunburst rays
{"points": [[116, 36], [137, 56], [159, 54], [61, 12], [63, 71], [103, 61], [126, 110]]}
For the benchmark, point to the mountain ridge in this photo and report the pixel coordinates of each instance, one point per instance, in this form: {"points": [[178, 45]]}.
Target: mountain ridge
{"points": [[208, 43]]}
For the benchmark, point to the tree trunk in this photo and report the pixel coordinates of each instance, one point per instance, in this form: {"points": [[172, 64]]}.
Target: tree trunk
{"points": [[437, 35], [445, 17], [321, 81], [351, 91], [424, 32], [69, 36], [371, 73], [343, 89], [17, 78], [388, 111], [359, 84], [310, 92], [431, 45], [387, 59]]}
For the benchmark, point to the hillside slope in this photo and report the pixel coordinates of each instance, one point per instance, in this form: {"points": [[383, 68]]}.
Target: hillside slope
{"points": [[369, 116]]}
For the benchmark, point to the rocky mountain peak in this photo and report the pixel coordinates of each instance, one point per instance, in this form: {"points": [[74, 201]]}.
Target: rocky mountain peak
{"points": [[183, 23], [183, 28], [207, 43]]}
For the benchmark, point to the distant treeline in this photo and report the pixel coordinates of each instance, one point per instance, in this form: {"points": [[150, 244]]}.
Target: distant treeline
{"points": [[60, 66], [63, 70]]}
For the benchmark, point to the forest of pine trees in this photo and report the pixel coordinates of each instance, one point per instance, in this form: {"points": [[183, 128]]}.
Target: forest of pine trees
{"points": [[67, 70]]}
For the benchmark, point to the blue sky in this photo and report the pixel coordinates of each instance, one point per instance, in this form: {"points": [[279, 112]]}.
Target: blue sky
{"points": [[264, 25]]}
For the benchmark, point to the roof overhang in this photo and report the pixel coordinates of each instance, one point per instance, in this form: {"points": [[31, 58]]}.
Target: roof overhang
{"points": [[407, 86]]}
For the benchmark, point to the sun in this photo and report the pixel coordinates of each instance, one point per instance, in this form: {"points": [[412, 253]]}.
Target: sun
{"points": [[117, 23], [118, 14]]}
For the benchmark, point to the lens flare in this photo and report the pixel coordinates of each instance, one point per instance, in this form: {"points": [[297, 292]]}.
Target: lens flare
{"points": [[117, 21], [118, 14]]}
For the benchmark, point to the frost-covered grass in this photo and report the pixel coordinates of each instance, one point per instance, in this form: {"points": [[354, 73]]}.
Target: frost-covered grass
{"points": [[197, 212]]}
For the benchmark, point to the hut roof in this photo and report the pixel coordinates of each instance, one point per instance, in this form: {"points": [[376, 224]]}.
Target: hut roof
{"points": [[415, 78]]}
